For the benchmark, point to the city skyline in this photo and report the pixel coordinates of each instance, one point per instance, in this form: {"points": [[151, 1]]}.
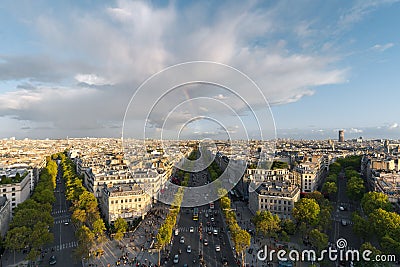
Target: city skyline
{"points": [[70, 69]]}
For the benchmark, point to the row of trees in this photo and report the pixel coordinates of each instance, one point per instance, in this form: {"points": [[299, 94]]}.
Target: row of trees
{"points": [[85, 212], [240, 237], [164, 234], [32, 219], [379, 222]]}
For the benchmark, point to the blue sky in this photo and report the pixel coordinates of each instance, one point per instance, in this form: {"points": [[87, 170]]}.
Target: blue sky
{"points": [[69, 68]]}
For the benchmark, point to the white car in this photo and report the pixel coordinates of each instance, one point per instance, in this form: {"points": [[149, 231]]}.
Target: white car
{"points": [[176, 231], [188, 249], [182, 240], [217, 248], [215, 232], [191, 229], [176, 258]]}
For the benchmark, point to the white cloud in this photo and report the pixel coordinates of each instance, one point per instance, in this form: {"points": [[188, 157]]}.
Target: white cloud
{"points": [[382, 47], [393, 126], [355, 130], [91, 79], [360, 9]]}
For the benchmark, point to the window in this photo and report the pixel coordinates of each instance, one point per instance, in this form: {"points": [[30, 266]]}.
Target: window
{"points": [[4, 189], [13, 189], [112, 202], [13, 194], [13, 199]]}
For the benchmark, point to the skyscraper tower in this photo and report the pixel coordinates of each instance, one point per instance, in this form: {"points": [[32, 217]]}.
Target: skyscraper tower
{"points": [[341, 135]]}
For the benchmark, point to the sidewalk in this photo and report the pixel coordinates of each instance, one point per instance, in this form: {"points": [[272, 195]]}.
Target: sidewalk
{"points": [[135, 246]]}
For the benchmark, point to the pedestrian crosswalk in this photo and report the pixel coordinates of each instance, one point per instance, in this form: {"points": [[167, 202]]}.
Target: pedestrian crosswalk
{"points": [[66, 220], [72, 244], [59, 211]]}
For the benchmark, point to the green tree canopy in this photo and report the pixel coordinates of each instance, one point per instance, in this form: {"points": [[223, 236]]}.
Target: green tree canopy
{"points": [[355, 188], [375, 200], [318, 240], [306, 210], [266, 223]]}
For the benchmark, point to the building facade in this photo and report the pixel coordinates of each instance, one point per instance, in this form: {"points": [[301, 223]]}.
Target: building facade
{"points": [[16, 192], [5, 215], [276, 197], [127, 200]]}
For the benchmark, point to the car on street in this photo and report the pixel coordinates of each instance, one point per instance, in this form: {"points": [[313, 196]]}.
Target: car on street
{"points": [[191, 229], [66, 223], [217, 248], [212, 219], [176, 231], [224, 261], [205, 242], [52, 260], [344, 222], [176, 258], [182, 240], [215, 232], [189, 249], [342, 208]]}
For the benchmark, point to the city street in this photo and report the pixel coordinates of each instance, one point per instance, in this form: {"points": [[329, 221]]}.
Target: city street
{"points": [[212, 247], [63, 230]]}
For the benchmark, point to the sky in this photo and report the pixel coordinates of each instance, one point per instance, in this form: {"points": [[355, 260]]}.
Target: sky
{"points": [[304, 69]]}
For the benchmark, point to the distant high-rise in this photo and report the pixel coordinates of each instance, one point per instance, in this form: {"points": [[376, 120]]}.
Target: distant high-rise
{"points": [[341, 135]]}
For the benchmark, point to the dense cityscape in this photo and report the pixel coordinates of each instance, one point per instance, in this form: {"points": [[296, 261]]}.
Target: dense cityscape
{"points": [[80, 202]]}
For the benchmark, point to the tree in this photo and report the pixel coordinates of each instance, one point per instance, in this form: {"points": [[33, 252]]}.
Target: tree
{"points": [[375, 200], [318, 240], [329, 188], [361, 226], [288, 226], [324, 218], [266, 223], [355, 188], [321, 200], [241, 239], [99, 228], [85, 242], [306, 210], [390, 245], [331, 178], [385, 223], [17, 238], [44, 196], [335, 168], [79, 217], [29, 217], [40, 236], [120, 225]]}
